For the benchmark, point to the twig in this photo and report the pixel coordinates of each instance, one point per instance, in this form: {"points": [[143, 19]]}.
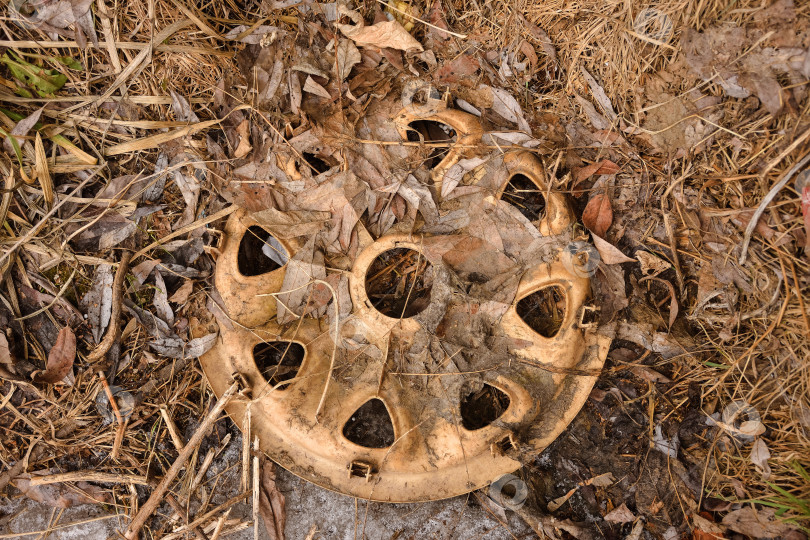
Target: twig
{"points": [[391, 6], [749, 230], [256, 488], [89, 476], [220, 525], [188, 228], [114, 328], [172, 427], [158, 494]]}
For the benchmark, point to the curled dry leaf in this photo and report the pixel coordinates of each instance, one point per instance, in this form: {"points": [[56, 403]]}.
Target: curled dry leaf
{"points": [[60, 358], [604, 166], [347, 57], [272, 505], [759, 457], [673, 301], [97, 302]]}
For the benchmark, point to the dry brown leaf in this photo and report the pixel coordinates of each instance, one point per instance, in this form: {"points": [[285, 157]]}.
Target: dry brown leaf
{"points": [[759, 457], [271, 502], [243, 131], [60, 358], [609, 253], [7, 370], [602, 480], [598, 214], [757, 523], [505, 105], [620, 514], [181, 295], [347, 57], [599, 95], [649, 374], [650, 264], [458, 69], [314, 88], [555, 505], [604, 166], [388, 34]]}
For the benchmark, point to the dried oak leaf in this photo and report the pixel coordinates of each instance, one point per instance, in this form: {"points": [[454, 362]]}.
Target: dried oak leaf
{"points": [[457, 70], [347, 57], [604, 166], [757, 523], [60, 358], [388, 34]]}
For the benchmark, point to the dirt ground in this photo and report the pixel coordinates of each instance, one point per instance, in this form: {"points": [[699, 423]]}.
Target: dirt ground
{"points": [[676, 131]]}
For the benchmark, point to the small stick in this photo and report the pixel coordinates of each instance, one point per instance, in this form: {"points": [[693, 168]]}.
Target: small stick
{"points": [[89, 476], [183, 515], [114, 329], [158, 494], [119, 439], [119, 434], [110, 397], [246, 450], [209, 457], [172, 427], [256, 488], [220, 524]]}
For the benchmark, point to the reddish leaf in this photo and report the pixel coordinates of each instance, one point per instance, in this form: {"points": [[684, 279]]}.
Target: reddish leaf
{"points": [[604, 166], [60, 359], [462, 67], [598, 214]]}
